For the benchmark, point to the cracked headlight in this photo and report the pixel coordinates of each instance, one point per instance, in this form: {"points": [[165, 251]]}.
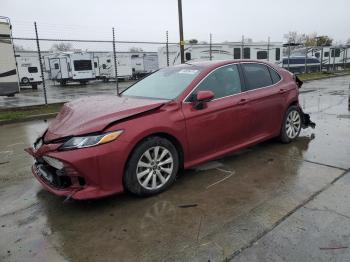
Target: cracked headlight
{"points": [[91, 140]]}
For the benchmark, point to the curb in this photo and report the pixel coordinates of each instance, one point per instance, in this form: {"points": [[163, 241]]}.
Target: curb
{"points": [[321, 78]]}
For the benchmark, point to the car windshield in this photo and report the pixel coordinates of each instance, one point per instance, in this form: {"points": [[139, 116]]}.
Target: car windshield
{"points": [[167, 83]]}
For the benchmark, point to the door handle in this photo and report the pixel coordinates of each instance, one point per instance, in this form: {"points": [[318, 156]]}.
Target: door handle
{"points": [[282, 91], [243, 101]]}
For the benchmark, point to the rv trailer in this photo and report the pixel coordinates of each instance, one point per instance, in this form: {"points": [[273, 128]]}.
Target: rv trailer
{"points": [[29, 71], [297, 64], [264, 51], [67, 67], [144, 64], [8, 71], [97, 67], [107, 66], [332, 57]]}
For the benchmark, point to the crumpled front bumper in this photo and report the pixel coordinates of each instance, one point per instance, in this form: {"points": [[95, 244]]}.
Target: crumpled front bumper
{"points": [[88, 173], [306, 120]]}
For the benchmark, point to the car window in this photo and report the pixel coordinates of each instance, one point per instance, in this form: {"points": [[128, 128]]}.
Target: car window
{"points": [[275, 76], [166, 83], [32, 69], [222, 82], [256, 75]]}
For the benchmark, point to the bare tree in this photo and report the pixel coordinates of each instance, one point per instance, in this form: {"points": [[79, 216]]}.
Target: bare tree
{"points": [[294, 37], [192, 41], [63, 47], [18, 47], [135, 49]]}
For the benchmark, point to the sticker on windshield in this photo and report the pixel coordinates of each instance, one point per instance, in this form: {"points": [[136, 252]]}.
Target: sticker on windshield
{"points": [[188, 71]]}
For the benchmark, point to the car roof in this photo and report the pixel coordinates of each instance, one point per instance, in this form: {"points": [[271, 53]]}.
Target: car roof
{"points": [[217, 63]]}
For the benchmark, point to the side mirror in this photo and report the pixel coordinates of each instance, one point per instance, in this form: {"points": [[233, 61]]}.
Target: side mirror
{"points": [[202, 97]]}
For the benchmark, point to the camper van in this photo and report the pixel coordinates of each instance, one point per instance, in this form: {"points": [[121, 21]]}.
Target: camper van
{"points": [[8, 71], [29, 72], [264, 51], [107, 68], [67, 67], [144, 64]]}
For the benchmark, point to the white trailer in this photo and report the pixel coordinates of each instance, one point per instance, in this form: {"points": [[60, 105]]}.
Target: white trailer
{"points": [[29, 72], [331, 56], [264, 51], [144, 64], [97, 67], [296, 64], [8, 71], [107, 67], [70, 67]]}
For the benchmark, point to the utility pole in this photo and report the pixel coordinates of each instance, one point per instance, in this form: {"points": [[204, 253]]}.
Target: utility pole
{"points": [[182, 43], [40, 62]]}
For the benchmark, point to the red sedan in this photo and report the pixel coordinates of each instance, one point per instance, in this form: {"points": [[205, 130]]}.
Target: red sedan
{"points": [[178, 117]]}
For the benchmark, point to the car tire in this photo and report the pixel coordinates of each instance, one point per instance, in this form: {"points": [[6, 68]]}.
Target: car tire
{"points": [[291, 125], [152, 167], [25, 81]]}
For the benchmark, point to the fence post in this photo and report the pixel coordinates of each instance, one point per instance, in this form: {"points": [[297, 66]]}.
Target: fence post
{"points": [[268, 49], [115, 63], [40, 62], [305, 60], [288, 56], [210, 47], [167, 48], [321, 61], [242, 47], [329, 59], [333, 68]]}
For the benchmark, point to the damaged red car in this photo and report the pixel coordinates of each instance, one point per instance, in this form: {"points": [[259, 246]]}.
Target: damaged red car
{"points": [[177, 117]]}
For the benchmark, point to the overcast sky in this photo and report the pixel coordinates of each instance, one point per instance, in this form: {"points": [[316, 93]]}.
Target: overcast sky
{"points": [[148, 20]]}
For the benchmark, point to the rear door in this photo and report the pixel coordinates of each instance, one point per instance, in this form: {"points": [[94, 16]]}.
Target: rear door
{"points": [[266, 99], [220, 124]]}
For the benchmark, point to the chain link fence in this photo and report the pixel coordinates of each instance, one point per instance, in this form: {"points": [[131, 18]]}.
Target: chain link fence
{"points": [[53, 69]]}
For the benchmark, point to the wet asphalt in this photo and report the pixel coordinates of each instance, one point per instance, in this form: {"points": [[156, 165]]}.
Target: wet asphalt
{"points": [[56, 93], [270, 202]]}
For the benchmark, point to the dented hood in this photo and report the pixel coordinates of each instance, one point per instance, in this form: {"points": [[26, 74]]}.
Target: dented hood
{"points": [[93, 114]]}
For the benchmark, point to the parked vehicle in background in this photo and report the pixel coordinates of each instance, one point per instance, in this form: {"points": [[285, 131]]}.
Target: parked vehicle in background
{"points": [[67, 67], [144, 64], [296, 64], [263, 51], [29, 72], [177, 117], [97, 67], [8, 71], [107, 66], [331, 56]]}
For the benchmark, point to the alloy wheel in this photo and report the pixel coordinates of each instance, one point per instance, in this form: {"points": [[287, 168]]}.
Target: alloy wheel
{"points": [[293, 124], [154, 167]]}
